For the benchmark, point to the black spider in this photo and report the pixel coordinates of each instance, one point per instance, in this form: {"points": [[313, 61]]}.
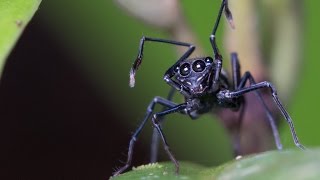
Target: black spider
{"points": [[204, 86]]}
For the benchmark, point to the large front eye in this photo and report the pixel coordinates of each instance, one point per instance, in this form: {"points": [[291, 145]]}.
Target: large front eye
{"points": [[198, 66], [185, 69]]}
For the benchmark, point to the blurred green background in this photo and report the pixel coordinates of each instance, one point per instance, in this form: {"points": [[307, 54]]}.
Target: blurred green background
{"points": [[99, 42]]}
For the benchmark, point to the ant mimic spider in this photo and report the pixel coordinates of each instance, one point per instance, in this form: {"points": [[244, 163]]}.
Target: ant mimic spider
{"points": [[204, 86]]}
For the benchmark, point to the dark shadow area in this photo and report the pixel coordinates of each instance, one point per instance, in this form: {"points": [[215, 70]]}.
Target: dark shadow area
{"points": [[53, 125]]}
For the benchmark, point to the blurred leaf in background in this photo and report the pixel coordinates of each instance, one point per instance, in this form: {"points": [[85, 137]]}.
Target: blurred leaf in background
{"points": [[14, 16]]}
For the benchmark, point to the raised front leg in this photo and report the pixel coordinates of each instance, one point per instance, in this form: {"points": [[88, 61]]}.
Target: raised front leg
{"points": [[170, 72], [217, 55]]}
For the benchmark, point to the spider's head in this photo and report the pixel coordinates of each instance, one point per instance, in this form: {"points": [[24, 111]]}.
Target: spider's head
{"points": [[194, 73]]}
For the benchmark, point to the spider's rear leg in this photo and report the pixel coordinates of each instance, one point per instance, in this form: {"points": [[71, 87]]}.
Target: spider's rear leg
{"points": [[156, 100], [240, 83], [235, 126], [265, 84], [247, 76]]}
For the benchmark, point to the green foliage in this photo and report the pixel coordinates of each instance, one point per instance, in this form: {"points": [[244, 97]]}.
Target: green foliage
{"points": [[291, 164], [164, 170], [14, 16]]}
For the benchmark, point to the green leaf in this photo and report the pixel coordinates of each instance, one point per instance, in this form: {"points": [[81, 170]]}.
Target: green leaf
{"points": [[14, 16], [290, 164], [164, 170]]}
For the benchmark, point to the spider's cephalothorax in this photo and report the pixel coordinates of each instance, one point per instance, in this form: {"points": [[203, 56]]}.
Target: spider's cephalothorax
{"points": [[196, 75], [204, 86]]}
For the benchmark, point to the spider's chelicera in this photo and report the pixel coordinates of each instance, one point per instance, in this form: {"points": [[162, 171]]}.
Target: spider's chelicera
{"points": [[204, 86]]}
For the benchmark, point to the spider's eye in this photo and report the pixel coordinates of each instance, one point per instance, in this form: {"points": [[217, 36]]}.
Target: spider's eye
{"points": [[198, 66], [176, 69], [185, 69], [208, 60]]}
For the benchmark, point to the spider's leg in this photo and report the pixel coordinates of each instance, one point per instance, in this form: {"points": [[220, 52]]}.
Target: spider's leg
{"points": [[215, 28], [156, 122], [138, 60], [155, 135], [224, 6], [235, 81], [248, 76], [240, 83], [265, 84], [171, 71], [156, 100], [228, 14], [235, 66], [217, 55]]}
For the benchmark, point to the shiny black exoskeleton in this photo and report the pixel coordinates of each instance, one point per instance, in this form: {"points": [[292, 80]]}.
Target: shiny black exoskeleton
{"points": [[196, 76], [204, 86]]}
